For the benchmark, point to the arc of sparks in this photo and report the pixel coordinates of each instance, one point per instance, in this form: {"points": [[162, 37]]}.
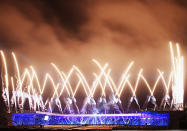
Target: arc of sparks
{"points": [[109, 79], [95, 82], [124, 75], [6, 79], [133, 89], [149, 87], [164, 81]]}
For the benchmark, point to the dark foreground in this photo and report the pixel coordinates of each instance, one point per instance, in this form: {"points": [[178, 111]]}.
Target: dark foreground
{"points": [[48, 128]]}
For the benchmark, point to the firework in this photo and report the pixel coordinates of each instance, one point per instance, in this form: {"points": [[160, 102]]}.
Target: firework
{"points": [[34, 92]]}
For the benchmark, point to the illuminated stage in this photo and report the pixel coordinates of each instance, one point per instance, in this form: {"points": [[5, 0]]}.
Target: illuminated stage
{"points": [[130, 119]]}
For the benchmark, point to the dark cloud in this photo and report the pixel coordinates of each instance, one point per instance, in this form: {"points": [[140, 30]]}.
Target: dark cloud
{"points": [[69, 16], [70, 32]]}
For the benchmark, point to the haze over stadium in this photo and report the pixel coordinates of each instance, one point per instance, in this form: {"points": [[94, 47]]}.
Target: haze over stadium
{"points": [[62, 33]]}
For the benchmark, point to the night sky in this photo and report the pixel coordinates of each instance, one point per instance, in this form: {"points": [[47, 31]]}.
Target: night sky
{"points": [[74, 31]]}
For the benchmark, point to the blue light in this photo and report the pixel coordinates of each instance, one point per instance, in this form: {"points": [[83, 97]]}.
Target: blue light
{"points": [[143, 118]]}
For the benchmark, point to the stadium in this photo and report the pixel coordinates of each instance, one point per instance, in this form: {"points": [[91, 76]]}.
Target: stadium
{"points": [[28, 104]]}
